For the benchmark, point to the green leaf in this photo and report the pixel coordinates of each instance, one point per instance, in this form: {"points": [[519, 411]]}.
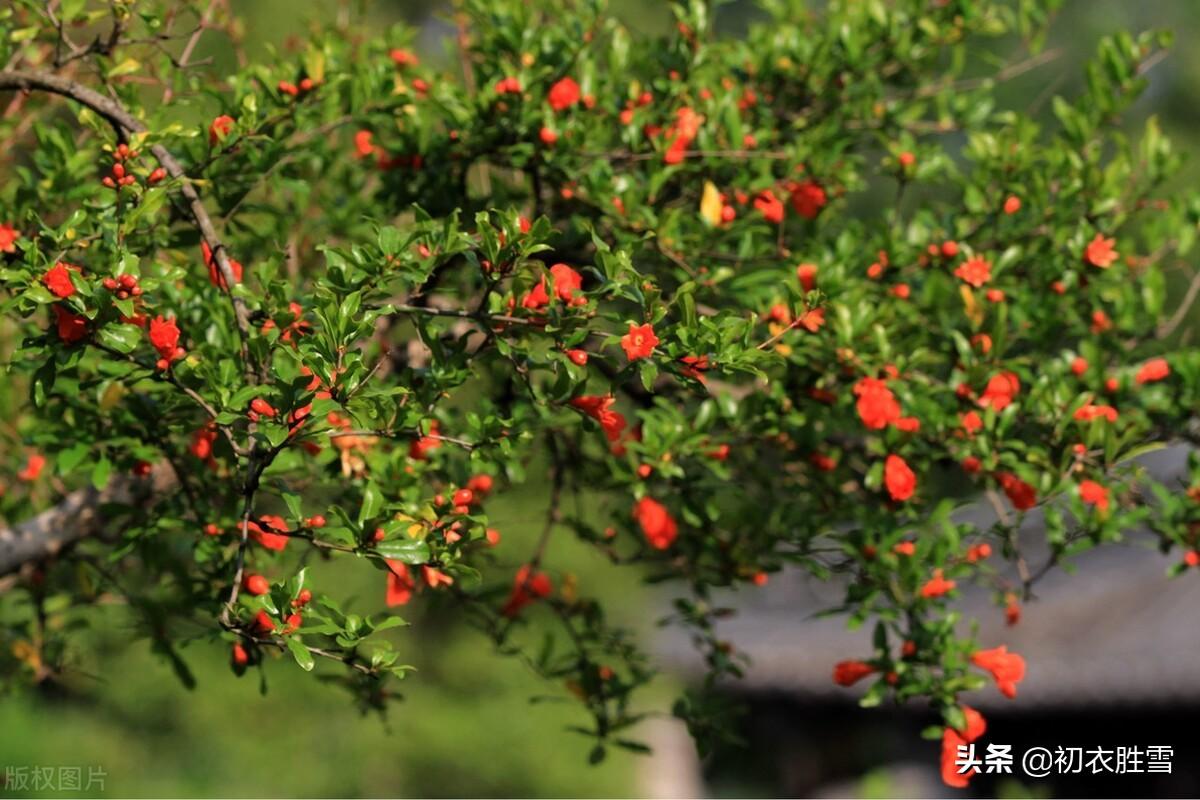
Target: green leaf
{"points": [[100, 473], [406, 551], [648, 372], [372, 502], [390, 240], [70, 9], [126, 67], [293, 504], [303, 657], [955, 718], [122, 338], [389, 622], [70, 458], [39, 294]]}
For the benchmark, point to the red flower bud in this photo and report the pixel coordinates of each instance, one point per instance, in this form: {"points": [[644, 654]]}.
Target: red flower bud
{"points": [[263, 623], [240, 657], [257, 584], [260, 406]]}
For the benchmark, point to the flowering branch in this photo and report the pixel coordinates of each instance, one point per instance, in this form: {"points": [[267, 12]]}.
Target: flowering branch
{"points": [[125, 124]]}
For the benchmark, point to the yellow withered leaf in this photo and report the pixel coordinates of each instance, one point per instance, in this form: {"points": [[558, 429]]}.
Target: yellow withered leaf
{"points": [[111, 396], [973, 309], [710, 205]]}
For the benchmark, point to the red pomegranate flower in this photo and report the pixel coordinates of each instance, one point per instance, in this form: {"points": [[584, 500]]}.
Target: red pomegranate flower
{"points": [[214, 269], [1093, 494], [563, 94], [951, 741], [566, 283], [807, 198], [1100, 253], [639, 342], [220, 128], [528, 586], [899, 478], [1089, 411], [770, 206], [1153, 370], [364, 145], [400, 583], [71, 327], [1000, 391], [877, 406], [58, 280], [807, 275], [681, 133], [976, 271], [850, 672], [656, 522], [434, 577], [164, 336], [1020, 494], [263, 533], [8, 237], [33, 468], [1008, 669], [937, 586], [971, 422], [600, 409]]}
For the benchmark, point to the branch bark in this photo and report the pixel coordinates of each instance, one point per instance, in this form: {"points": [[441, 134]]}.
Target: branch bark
{"points": [[78, 516]]}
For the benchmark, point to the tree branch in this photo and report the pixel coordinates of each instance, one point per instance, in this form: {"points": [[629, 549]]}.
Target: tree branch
{"points": [[125, 124], [78, 516]]}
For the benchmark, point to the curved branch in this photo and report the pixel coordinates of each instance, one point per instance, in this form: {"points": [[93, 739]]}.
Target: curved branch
{"points": [[79, 515], [1168, 327], [125, 123]]}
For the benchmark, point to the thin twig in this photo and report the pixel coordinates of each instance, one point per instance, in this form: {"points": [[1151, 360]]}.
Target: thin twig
{"points": [[1177, 317], [192, 41]]}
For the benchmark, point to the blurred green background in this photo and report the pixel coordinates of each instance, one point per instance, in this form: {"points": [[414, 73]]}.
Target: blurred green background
{"points": [[467, 726]]}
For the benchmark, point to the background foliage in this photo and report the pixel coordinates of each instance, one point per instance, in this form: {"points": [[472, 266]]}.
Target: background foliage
{"points": [[224, 738]]}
